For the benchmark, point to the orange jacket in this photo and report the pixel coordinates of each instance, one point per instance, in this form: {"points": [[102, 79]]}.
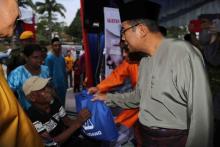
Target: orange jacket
{"points": [[128, 116], [118, 75]]}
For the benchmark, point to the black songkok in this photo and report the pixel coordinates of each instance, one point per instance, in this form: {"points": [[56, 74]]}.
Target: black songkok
{"points": [[139, 9]]}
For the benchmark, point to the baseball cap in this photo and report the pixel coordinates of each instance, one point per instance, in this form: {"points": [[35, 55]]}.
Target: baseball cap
{"points": [[34, 83]]}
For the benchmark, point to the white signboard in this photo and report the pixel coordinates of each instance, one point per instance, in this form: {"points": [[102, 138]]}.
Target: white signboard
{"points": [[112, 39]]}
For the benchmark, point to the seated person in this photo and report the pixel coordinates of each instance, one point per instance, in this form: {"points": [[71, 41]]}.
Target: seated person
{"points": [[48, 115]]}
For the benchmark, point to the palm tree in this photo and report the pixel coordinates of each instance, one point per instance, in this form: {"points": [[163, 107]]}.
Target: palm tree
{"points": [[50, 7], [25, 3]]}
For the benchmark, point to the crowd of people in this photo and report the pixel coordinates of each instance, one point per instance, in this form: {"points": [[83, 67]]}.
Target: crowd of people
{"points": [[165, 92]]}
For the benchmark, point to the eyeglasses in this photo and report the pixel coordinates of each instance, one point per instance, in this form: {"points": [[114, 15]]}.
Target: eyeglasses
{"points": [[124, 30]]}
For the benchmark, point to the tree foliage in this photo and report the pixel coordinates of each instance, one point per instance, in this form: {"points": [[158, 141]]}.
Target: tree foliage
{"points": [[75, 28], [43, 30], [26, 3], [48, 8]]}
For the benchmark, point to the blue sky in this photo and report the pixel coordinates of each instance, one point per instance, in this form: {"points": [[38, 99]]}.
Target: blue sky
{"points": [[71, 8]]}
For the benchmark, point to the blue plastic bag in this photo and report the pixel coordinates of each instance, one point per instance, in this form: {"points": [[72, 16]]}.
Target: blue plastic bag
{"points": [[101, 125]]}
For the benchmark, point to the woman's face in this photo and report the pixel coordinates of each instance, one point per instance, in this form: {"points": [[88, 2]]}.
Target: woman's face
{"points": [[35, 60]]}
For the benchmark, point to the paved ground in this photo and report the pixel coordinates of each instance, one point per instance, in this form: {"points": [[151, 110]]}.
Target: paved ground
{"points": [[70, 101]]}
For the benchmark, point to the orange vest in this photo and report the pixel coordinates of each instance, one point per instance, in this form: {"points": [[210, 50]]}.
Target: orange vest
{"points": [[16, 129], [128, 116]]}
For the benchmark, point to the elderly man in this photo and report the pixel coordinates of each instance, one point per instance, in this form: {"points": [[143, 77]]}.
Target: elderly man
{"points": [[172, 92], [49, 116], [16, 128]]}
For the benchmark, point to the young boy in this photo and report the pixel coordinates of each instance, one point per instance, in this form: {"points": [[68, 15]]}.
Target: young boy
{"points": [[48, 115]]}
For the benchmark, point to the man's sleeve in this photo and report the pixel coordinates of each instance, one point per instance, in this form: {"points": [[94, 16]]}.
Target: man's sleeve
{"points": [[125, 100], [39, 126], [193, 83], [62, 111]]}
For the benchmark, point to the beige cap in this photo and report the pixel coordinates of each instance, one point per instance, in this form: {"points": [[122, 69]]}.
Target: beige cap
{"points": [[34, 83]]}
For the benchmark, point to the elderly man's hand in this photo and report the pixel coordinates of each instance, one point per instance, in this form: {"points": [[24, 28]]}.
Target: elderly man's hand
{"points": [[100, 97], [84, 114]]}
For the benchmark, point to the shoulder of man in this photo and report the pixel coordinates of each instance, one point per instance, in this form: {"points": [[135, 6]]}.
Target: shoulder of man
{"points": [[183, 48]]}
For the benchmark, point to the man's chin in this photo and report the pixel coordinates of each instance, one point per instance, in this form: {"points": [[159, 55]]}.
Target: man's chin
{"points": [[131, 50]]}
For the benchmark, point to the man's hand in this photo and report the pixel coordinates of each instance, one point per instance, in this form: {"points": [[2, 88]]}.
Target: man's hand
{"points": [[100, 97], [84, 114], [92, 90]]}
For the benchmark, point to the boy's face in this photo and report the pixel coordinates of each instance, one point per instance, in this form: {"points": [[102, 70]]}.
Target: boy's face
{"points": [[56, 47], [43, 96]]}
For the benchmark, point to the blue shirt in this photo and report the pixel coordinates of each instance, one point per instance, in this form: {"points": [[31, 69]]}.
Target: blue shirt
{"points": [[57, 71], [17, 78]]}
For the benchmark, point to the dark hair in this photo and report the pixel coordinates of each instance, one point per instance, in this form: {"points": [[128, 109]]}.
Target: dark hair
{"points": [[163, 30], [187, 37], [54, 40], [30, 48], [44, 49]]}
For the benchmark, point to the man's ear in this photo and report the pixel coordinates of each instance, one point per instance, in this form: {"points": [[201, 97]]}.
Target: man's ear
{"points": [[143, 30]]}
